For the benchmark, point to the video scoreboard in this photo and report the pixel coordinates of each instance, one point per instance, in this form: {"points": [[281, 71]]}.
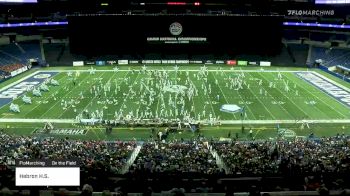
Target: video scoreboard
{"points": [[173, 33]]}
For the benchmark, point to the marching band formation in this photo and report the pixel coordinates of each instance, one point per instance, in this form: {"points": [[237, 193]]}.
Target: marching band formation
{"points": [[174, 95]]}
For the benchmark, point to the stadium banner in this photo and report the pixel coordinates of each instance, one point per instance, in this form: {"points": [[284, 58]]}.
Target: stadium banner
{"points": [[164, 61], [18, 71], [78, 63], [100, 63], [147, 61], [90, 63], [208, 62], [265, 63], [231, 62], [123, 62], [134, 62], [196, 62], [219, 62], [182, 61], [157, 62], [111, 62], [171, 61], [252, 63], [65, 131], [243, 63]]}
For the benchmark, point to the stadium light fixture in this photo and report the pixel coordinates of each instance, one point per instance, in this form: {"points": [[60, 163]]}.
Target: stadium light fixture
{"points": [[316, 24], [31, 24]]}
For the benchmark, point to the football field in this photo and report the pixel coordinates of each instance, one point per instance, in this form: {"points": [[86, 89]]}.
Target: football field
{"points": [[263, 95]]}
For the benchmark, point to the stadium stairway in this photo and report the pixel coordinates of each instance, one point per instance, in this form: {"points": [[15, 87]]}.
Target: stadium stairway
{"points": [[298, 53], [58, 54], [4, 60], [132, 158], [42, 51], [11, 59], [20, 48], [218, 159]]}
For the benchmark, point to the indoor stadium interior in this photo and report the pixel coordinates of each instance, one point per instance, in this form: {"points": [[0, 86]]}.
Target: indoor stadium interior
{"points": [[185, 97]]}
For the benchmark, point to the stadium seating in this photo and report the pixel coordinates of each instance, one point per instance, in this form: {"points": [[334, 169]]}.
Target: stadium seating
{"points": [[331, 56], [20, 52], [10, 67]]}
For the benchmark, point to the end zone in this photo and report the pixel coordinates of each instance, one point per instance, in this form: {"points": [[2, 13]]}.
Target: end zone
{"points": [[18, 88]]}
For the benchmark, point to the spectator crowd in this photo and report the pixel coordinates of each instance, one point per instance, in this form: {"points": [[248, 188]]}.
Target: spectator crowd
{"points": [[112, 154], [103, 161], [97, 158], [176, 158], [295, 157], [10, 68]]}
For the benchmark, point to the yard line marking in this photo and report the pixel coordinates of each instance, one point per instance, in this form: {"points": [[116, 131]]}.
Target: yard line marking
{"points": [[261, 104], [241, 97], [20, 80], [39, 100], [222, 92], [224, 122], [94, 97], [17, 82], [128, 71], [157, 107], [290, 100], [176, 109], [87, 90], [211, 105], [331, 81], [194, 105], [201, 97], [275, 99], [323, 93], [51, 95], [65, 96], [127, 96]]}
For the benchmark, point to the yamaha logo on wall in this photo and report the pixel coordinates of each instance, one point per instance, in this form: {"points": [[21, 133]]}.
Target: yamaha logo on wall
{"points": [[175, 28]]}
